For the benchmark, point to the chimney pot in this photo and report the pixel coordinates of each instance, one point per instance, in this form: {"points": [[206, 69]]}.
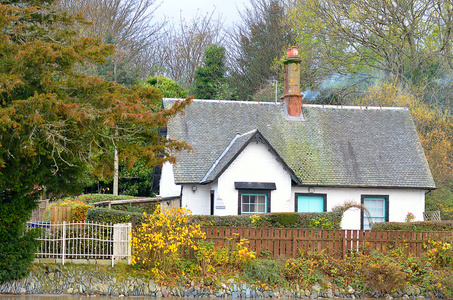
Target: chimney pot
{"points": [[293, 52]]}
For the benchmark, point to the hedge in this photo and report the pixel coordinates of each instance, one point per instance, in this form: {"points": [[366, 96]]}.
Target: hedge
{"points": [[325, 220], [415, 226], [111, 216], [93, 198]]}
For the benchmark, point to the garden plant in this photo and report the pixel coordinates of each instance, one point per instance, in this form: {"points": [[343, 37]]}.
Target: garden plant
{"points": [[176, 251]]}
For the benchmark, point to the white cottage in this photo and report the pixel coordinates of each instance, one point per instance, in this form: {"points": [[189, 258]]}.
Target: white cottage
{"points": [[252, 157]]}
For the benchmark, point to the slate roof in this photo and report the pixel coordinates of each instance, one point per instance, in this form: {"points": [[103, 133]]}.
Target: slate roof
{"points": [[331, 146]]}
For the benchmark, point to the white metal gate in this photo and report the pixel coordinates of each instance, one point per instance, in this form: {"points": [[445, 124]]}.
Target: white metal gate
{"points": [[84, 240]]}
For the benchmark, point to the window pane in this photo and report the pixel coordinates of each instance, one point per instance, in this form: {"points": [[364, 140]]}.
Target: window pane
{"points": [[253, 203], [376, 208], [310, 203]]}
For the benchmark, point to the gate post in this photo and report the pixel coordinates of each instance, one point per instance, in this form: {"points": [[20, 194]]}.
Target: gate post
{"points": [[121, 241], [63, 246]]}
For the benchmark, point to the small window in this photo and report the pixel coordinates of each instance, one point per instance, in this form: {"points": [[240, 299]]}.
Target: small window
{"points": [[311, 203], [378, 207], [254, 202]]}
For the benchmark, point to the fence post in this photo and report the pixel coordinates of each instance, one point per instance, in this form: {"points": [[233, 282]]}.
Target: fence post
{"points": [[63, 246], [129, 243], [116, 238], [121, 241], [134, 220]]}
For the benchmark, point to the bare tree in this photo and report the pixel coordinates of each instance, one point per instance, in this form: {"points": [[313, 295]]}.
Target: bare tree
{"points": [[127, 24], [410, 40], [182, 47], [257, 42]]}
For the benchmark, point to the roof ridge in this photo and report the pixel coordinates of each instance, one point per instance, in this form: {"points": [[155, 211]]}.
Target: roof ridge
{"points": [[358, 107]]}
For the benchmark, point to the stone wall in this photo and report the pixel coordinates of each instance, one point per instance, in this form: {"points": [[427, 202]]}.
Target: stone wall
{"points": [[102, 280], [95, 280]]}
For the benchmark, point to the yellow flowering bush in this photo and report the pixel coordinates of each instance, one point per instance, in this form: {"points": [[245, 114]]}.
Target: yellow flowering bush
{"points": [[440, 253], [236, 255], [158, 242], [241, 255], [300, 270]]}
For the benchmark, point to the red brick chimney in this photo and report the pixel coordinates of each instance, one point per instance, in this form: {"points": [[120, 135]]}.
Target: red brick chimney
{"points": [[291, 95]]}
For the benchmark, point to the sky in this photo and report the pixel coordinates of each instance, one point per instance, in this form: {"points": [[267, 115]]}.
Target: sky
{"points": [[228, 9]]}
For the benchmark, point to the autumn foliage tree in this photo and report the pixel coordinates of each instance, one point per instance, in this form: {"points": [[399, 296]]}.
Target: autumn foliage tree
{"points": [[55, 122]]}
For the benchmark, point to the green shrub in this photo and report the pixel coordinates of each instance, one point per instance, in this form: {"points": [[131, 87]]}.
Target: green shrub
{"points": [[17, 255], [415, 226], [17, 246], [326, 220], [265, 270], [147, 207], [283, 220], [93, 198], [111, 216], [384, 276]]}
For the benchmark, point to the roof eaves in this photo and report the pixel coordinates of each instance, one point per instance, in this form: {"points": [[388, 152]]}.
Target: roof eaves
{"points": [[205, 177], [254, 134], [369, 186]]}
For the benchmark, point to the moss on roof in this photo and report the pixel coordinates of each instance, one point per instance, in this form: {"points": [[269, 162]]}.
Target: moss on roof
{"points": [[333, 146]]}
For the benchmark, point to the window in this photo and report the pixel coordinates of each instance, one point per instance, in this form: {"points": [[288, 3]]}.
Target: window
{"points": [[254, 197], [378, 207], [311, 203], [253, 203]]}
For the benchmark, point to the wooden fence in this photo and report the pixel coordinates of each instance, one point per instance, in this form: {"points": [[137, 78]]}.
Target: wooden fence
{"points": [[59, 214], [287, 243]]}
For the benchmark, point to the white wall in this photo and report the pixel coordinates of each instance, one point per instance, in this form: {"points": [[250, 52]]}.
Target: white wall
{"points": [[167, 186], [254, 164], [257, 164], [199, 201], [401, 201]]}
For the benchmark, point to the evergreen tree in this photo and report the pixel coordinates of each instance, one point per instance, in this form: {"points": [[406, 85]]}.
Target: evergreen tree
{"points": [[209, 78], [55, 122], [169, 88]]}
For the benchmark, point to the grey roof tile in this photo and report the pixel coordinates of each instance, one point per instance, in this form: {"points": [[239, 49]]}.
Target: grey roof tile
{"points": [[333, 146]]}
